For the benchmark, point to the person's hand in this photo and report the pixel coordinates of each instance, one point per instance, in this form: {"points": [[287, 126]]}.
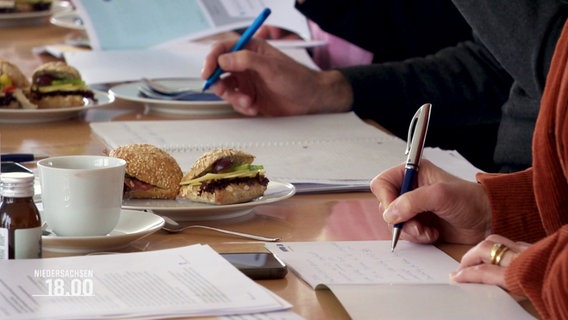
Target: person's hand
{"points": [[442, 206], [269, 32], [264, 80], [487, 261]]}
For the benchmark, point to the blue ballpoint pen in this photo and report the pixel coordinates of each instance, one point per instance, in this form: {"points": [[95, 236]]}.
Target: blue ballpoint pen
{"points": [[241, 43], [414, 146]]}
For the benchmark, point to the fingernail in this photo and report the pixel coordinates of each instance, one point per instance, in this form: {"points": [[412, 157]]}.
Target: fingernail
{"points": [[390, 215], [428, 234], [244, 107], [416, 231], [454, 275], [243, 103], [224, 60]]}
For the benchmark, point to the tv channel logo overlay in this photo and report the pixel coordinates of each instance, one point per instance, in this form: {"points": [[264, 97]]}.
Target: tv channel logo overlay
{"points": [[65, 282]]}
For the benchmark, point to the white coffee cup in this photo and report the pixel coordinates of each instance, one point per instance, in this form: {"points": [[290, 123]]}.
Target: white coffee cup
{"points": [[81, 195]]}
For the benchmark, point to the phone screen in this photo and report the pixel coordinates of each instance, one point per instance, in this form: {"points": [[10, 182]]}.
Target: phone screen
{"points": [[258, 265], [9, 166]]}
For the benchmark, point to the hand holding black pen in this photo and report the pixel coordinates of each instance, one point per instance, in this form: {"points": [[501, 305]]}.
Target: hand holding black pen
{"points": [[414, 146]]}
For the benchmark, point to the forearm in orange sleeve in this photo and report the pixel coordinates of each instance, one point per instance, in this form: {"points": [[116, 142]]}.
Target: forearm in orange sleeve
{"points": [[541, 274], [514, 213]]}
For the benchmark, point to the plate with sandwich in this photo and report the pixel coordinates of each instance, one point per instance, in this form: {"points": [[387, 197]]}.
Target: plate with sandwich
{"points": [[25, 12], [221, 184], [197, 105], [56, 92], [187, 210]]}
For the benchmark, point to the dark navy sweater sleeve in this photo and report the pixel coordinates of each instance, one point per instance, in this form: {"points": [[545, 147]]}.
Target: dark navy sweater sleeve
{"points": [[392, 30]]}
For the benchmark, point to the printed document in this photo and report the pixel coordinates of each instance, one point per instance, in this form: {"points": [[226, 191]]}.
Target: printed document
{"points": [[140, 24], [180, 282]]}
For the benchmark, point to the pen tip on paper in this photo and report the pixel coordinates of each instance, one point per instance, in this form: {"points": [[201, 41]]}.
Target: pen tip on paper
{"points": [[395, 235]]}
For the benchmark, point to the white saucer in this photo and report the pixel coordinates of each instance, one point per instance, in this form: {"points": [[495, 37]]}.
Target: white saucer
{"points": [[132, 225], [186, 210]]}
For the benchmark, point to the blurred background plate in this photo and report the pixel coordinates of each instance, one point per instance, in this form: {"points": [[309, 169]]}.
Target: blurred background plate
{"points": [[33, 18], [67, 19], [50, 115]]}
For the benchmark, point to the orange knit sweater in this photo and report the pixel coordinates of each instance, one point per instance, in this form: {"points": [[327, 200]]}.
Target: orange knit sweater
{"points": [[532, 205]]}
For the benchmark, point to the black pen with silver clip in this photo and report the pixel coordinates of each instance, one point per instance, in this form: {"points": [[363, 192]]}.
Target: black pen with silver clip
{"points": [[414, 146], [22, 157]]}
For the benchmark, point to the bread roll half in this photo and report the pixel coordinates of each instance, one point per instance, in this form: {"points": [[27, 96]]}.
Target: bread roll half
{"points": [[150, 172]]}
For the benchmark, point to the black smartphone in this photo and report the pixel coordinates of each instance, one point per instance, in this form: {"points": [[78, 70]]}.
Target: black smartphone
{"points": [[10, 166], [258, 265]]}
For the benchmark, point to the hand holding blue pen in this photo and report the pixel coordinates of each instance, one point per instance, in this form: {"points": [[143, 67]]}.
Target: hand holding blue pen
{"points": [[415, 144], [241, 43]]}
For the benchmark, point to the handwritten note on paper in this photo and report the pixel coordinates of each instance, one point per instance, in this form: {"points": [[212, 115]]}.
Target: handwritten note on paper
{"points": [[372, 282], [365, 262]]}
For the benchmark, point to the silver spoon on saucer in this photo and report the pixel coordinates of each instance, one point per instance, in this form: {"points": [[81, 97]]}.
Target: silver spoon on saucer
{"points": [[172, 226], [148, 93], [166, 90]]}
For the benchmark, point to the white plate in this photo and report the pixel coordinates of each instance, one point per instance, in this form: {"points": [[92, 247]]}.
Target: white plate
{"points": [[186, 210], [132, 225], [68, 19], [129, 91], [49, 115], [32, 18]]}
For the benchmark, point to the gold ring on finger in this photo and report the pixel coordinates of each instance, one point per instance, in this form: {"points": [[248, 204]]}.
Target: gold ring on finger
{"points": [[497, 252]]}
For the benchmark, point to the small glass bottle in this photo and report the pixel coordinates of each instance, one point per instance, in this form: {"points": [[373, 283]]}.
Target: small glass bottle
{"points": [[20, 222]]}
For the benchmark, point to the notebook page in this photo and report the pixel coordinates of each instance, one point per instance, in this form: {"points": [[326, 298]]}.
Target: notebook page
{"points": [[365, 262], [327, 148]]}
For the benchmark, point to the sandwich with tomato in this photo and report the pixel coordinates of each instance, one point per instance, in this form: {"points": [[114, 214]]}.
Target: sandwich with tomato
{"points": [[224, 176], [13, 86]]}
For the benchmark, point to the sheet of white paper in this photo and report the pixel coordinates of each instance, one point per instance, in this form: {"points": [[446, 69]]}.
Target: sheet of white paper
{"points": [[365, 262], [279, 315], [453, 162], [186, 281], [140, 24], [180, 61], [411, 302], [412, 282]]}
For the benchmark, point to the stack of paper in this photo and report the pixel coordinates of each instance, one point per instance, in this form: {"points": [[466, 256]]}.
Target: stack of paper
{"points": [[132, 39], [181, 282]]}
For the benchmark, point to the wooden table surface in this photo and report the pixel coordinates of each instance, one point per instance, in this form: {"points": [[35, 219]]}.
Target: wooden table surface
{"points": [[313, 217]]}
